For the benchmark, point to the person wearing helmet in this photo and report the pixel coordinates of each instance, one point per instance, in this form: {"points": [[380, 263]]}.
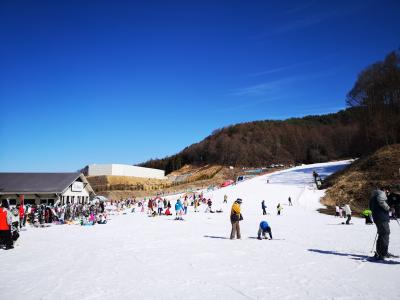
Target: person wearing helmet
{"points": [[236, 217], [263, 229]]}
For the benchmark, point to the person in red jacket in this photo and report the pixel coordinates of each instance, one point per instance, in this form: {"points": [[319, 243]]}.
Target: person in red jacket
{"points": [[5, 225], [21, 210]]}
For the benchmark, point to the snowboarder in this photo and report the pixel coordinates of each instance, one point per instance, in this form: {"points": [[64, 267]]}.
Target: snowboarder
{"points": [[263, 206], [380, 212], [236, 217], [290, 201], [263, 229], [347, 210], [279, 209]]}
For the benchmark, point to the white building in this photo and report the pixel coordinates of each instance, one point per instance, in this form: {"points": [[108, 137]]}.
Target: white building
{"points": [[124, 170]]}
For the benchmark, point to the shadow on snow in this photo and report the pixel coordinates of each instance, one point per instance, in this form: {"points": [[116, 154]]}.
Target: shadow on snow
{"points": [[354, 256]]}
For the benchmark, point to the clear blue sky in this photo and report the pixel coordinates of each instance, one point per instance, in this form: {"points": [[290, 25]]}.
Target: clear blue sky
{"points": [[121, 81]]}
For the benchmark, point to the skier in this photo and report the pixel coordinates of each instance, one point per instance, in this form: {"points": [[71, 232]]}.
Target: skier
{"points": [[263, 206], [225, 199], [236, 217], [263, 229], [380, 212], [5, 226], [279, 209], [347, 210], [290, 201]]}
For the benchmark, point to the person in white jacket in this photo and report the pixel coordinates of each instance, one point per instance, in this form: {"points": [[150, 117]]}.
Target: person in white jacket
{"points": [[347, 210]]}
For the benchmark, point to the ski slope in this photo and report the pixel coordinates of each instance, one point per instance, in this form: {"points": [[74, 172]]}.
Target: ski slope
{"points": [[139, 257]]}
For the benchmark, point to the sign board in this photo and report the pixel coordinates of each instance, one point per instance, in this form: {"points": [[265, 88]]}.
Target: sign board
{"points": [[77, 186]]}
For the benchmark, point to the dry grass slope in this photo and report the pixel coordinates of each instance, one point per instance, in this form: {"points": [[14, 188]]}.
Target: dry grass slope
{"points": [[354, 184]]}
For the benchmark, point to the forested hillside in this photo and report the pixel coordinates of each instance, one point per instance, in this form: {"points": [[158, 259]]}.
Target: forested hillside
{"points": [[372, 120]]}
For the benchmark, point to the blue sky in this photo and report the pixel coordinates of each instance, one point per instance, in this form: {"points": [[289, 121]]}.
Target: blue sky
{"points": [[121, 81]]}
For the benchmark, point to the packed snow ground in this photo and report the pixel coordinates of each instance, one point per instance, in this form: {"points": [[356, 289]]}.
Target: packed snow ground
{"points": [[138, 257]]}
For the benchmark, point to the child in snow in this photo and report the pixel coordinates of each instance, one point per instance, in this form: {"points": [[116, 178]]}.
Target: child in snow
{"points": [[263, 229], [279, 209], [368, 216], [178, 210]]}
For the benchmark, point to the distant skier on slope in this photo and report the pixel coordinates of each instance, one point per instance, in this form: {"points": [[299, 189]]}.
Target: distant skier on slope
{"points": [[290, 201], [347, 210], [264, 207], [279, 209], [263, 229]]}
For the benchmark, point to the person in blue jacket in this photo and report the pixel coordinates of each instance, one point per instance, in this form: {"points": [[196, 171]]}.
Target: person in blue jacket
{"points": [[264, 228], [178, 210]]}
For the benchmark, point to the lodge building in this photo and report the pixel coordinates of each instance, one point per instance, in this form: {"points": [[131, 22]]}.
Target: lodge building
{"points": [[45, 188]]}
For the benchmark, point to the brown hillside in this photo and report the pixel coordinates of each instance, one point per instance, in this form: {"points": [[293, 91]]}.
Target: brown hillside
{"points": [[354, 184]]}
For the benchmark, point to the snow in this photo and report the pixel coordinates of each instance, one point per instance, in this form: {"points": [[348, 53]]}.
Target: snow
{"points": [[139, 257]]}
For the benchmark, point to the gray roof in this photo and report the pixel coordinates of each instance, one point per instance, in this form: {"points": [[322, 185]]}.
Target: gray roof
{"points": [[37, 183]]}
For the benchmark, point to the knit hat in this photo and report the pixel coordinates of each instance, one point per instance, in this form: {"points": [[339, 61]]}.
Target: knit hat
{"points": [[238, 200]]}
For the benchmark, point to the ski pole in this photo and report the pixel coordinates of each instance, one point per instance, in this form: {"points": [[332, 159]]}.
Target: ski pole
{"points": [[373, 246]]}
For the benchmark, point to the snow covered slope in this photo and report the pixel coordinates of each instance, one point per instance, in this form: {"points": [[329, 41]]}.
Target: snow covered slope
{"points": [[137, 257]]}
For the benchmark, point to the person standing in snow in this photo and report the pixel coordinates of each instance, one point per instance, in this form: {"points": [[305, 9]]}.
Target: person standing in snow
{"points": [[279, 209], [185, 205], [380, 212], [236, 217], [178, 210], [5, 225], [196, 205], [225, 199], [336, 211], [263, 229], [290, 201], [264, 207], [347, 210]]}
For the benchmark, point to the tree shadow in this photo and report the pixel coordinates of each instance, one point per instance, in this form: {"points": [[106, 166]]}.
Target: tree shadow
{"points": [[354, 256], [216, 237]]}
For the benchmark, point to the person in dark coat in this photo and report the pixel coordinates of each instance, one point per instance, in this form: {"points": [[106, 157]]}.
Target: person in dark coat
{"points": [[264, 207], [380, 213], [394, 203]]}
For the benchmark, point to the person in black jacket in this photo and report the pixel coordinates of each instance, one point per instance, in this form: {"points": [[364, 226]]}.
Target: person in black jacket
{"points": [[394, 203], [263, 206], [380, 213]]}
